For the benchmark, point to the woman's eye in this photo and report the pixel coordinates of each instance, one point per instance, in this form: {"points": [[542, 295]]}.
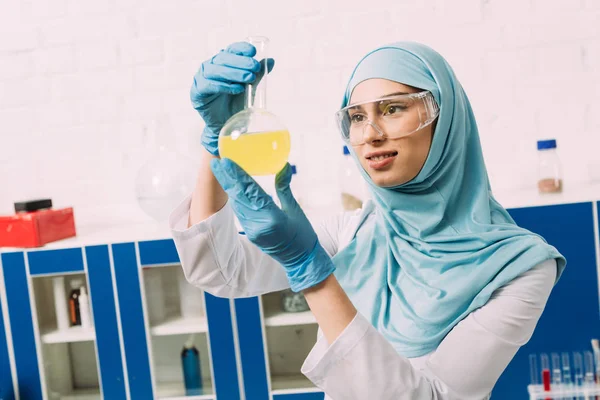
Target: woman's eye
{"points": [[394, 109], [356, 118]]}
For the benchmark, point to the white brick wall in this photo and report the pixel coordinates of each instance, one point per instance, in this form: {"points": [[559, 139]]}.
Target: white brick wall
{"points": [[81, 81]]}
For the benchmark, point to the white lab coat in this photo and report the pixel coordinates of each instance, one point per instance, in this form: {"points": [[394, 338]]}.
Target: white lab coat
{"points": [[361, 363]]}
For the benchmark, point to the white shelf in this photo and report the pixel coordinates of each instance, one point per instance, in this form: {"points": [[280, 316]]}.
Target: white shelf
{"points": [[83, 394], [179, 325], [286, 384], [107, 233], [573, 192], [70, 335], [176, 391], [280, 318]]}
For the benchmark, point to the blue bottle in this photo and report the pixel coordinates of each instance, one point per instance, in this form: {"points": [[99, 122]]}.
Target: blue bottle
{"points": [[190, 361]]}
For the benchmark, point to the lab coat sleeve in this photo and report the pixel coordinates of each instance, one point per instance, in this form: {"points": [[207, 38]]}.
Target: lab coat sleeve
{"points": [[362, 364], [218, 259]]}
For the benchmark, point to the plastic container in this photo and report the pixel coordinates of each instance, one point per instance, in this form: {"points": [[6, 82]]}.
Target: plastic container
{"points": [[60, 303], [352, 189], [36, 228], [84, 308], [549, 167], [190, 362], [74, 312], [255, 138]]}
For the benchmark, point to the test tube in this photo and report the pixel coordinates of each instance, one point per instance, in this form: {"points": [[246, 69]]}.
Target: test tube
{"points": [[556, 373], [567, 376], [534, 374], [589, 368], [566, 368], [578, 366], [545, 361]]}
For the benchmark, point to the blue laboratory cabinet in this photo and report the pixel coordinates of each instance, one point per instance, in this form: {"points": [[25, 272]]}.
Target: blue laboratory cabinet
{"points": [[143, 312], [132, 350]]}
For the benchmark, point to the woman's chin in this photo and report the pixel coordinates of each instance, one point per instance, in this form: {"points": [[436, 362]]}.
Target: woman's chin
{"points": [[388, 178]]}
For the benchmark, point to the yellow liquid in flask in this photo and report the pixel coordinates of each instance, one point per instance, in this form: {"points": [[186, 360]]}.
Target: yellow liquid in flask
{"points": [[261, 153]]}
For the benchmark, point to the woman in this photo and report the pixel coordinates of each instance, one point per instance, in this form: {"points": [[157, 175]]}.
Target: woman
{"points": [[425, 293]]}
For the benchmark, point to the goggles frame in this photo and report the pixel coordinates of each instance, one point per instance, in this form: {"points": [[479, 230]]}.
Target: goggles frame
{"points": [[429, 112]]}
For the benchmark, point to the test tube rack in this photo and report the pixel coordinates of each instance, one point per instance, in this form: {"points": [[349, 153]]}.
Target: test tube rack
{"points": [[558, 378], [564, 392]]}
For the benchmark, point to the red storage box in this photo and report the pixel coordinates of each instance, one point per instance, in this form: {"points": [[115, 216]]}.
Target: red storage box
{"points": [[35, 229]]}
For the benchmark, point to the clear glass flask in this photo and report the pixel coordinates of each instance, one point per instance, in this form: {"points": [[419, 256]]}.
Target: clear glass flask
{"points": [[255, 138], [166, 177]]}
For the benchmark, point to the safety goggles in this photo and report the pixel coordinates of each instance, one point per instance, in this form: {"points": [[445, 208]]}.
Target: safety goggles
{"points": [[392, 117]]}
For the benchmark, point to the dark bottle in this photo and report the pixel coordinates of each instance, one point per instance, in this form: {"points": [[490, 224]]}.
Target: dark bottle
{"points": [[74, 313], [190, 361]]}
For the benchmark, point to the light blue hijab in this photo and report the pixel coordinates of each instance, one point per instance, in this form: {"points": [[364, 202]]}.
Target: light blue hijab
{"points": [[440, 244]]}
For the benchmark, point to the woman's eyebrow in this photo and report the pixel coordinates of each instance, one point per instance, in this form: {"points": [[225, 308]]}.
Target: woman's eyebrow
{"points": [[394, 94], [385, 95]]}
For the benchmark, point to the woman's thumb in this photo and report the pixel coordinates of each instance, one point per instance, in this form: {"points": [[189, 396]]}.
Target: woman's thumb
{"points": [[284, 192]]}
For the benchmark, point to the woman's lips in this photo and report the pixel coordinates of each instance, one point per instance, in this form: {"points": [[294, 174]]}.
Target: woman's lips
{"points": [[381, 159]]}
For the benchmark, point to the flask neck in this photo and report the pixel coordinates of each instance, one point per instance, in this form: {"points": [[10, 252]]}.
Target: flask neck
{"points": [[256, 92]]}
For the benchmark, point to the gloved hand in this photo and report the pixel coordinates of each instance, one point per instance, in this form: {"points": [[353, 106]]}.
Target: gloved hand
{"points": [[217, 92], [284, 234]]}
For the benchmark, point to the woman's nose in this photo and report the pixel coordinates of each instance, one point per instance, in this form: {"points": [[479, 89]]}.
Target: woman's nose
{"points": [[372, 133]]}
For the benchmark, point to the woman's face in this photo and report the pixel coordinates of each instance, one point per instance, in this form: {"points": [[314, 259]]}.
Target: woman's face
{"points": [[407, 154]]}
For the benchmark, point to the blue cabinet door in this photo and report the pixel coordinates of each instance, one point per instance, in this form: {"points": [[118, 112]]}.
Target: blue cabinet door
{"points": [[222, 347], [105, 320], [570, 319], [16, 282], [133, 325], [7, 390], [252, 351]]}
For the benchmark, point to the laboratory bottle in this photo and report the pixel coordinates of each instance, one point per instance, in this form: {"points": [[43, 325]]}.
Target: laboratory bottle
{"points": [[190, 362], [84, 308], [255, 138], [549, 167], [60, 303], [74, 312]]}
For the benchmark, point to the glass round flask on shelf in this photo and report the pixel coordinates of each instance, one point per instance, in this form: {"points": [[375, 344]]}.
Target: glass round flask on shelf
{"points": [[166, 177], [255, 138]]}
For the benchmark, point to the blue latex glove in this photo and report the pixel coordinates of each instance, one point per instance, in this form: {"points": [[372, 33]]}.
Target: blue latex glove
{"points": [[284, 234], [217, 92]]}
